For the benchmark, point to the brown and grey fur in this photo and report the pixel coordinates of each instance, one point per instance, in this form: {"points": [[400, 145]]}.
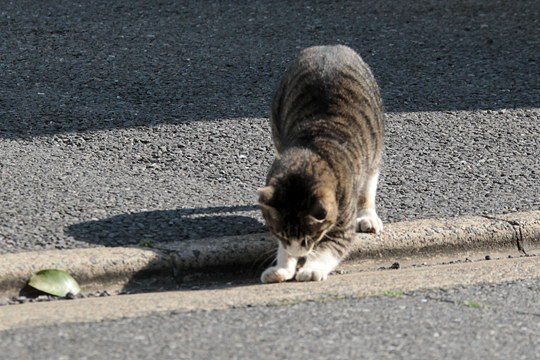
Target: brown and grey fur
{"points": [[328, 128]]}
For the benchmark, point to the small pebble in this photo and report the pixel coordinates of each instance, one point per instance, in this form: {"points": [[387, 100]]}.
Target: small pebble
{"points": [[22, 299], [488, 257], [395, 266]]}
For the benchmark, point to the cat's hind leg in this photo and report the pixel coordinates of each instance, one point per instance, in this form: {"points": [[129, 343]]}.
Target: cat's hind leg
{"points": [[367, 219], [284, 269]]}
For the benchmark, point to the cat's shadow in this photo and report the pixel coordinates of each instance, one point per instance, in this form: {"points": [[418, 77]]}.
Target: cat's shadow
{"points": [[147, 227]]}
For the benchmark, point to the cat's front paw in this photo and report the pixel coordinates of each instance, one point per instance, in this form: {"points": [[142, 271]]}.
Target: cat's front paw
{"points": [[311, 274], [276, 274], [368, 222]]}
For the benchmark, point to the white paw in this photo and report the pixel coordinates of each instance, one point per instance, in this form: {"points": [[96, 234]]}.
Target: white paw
{"points": [[310, 274], [276, 274], [368, 222]]}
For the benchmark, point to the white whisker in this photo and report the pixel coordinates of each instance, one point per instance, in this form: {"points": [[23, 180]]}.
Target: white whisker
{"points": [[329, 237], [267, 257]]}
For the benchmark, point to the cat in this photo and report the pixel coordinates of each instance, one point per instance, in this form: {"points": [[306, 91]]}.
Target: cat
{"points": [[328, 128]]}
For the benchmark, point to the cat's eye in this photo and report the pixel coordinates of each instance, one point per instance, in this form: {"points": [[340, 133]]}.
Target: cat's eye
{"points": [[319, 214]]}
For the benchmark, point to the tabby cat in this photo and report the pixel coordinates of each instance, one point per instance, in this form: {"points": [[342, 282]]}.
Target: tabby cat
{"points": [[328, 128]]}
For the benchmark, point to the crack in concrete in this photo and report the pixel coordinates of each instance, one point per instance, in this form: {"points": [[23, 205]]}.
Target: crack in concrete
{"points": [[527, 313], [518, 230]]}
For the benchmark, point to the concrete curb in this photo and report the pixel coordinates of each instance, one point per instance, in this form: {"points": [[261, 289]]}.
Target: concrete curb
{"points": [[114, 268], [519, 231]]}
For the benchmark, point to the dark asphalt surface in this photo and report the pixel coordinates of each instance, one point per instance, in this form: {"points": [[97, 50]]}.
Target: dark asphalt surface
{"points": [[70, 66], [129, 122], [481, 322]]}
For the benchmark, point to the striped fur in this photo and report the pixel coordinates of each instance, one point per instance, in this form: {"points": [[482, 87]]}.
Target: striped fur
{"points": [[328, 128]]}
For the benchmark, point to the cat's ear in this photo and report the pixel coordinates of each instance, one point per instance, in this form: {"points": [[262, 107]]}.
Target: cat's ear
{"points": [[265, 194], [324, 206], [319, 212]]}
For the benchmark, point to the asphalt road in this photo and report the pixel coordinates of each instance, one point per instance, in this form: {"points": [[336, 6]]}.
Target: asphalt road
{"points": [[487, 321], [132, 122], [123, 122]]}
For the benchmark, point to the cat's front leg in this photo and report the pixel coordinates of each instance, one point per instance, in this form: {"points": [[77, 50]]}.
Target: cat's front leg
{"points": [[318, 265], [284, 269]]}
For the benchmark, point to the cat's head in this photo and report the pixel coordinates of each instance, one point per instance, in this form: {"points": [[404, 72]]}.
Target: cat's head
{"points": [[298, 215]]}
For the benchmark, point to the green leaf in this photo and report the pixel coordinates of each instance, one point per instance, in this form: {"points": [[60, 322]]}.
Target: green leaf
{"points": [[393, 293], [54, 282]]}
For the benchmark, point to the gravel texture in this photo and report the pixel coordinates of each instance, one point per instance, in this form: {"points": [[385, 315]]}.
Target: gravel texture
{"points": [[34, 298], [129, 123]]}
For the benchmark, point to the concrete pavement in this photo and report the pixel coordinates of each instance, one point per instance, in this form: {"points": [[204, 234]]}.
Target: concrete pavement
{"points": [[352, 284], [494, 321]]}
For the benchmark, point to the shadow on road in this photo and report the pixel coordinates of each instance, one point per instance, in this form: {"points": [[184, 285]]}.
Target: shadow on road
{"points": [[145, 228], [105, 65]]}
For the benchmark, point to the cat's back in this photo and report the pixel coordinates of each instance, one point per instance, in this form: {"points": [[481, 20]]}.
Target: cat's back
{"points": [[324, 62], [323, 86], [329, 67]]}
